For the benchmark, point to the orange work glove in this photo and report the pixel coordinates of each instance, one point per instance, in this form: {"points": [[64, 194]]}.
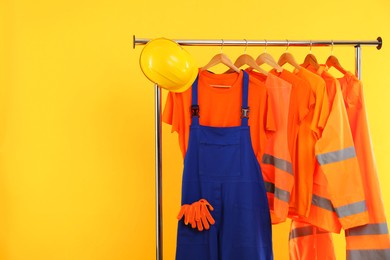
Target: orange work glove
{"points": [[188, 212], [197, 214], [202, 214]]}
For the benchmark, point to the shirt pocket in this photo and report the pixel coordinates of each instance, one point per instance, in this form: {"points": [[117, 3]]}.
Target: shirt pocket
{"points": [[220, 153]]}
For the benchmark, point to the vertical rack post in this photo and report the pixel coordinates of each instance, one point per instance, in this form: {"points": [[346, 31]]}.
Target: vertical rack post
{"points": [[158, 165], [358, 61]]}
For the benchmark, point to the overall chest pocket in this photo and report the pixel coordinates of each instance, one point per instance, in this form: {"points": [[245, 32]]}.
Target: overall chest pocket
{"points": [[220, 152]]}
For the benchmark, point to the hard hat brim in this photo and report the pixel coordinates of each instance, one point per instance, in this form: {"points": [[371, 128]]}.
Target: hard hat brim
{"points": [[188, 84]]}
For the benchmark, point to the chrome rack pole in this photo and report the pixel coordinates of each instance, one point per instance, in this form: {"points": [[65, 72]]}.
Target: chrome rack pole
{"points": [[158, 184], [358, 61], [158, 137]]}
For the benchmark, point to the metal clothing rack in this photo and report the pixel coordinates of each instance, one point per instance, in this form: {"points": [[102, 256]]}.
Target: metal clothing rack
{"points": [[158, 140]]}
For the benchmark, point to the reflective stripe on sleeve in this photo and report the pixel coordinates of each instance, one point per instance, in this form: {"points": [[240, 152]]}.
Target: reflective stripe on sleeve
{"points": [[282, 195], [369, 229], [278, 163], [343, 211], [368, 254], [336, 156], [351, 209]]}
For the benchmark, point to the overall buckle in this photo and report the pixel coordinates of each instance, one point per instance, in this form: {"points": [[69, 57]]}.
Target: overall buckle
{"points": [[195, 110], [245, 112]]}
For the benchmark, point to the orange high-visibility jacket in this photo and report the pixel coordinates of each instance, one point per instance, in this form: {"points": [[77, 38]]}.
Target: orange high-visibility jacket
{"points": [[276, 161], [310, 130], [307, 242], [370, 241], [336, 156], [338, 194], [301, 99]]}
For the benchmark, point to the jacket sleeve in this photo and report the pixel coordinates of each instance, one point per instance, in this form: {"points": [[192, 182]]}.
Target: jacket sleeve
{"points": [[336, 156]]}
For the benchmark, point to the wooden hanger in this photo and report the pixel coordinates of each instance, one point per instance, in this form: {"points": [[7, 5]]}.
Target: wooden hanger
{"points": [[248, 60], [268, 59], [287, 57], [332, 61], [310, 59], [221, 58]]}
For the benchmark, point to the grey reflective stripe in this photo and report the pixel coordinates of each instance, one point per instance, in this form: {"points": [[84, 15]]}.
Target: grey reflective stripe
{"points": [[301, 232], [344, 211], [351, 209], [305, 231], [278, 163], [278, 193], [282, 194], [367, 254], [269, 187], [369, 229], [336, 156], [322, 202]]}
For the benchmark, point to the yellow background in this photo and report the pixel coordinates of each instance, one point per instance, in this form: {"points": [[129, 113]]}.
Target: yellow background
{"points": [[77, 122]]}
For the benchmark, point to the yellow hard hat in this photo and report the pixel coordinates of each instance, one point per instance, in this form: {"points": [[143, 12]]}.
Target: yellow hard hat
{"points": [[166, 63]]}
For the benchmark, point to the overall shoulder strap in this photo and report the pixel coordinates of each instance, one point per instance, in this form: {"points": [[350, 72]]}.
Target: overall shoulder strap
{"points": [[244, 104], [194, 103]]}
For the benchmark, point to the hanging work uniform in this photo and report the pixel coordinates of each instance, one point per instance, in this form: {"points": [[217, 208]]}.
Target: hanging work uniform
{"points": [[221, 167], [300, 103], [370, 241], [275, 162], [338, 195], [338, 171], [301, 99], [309, 132]]}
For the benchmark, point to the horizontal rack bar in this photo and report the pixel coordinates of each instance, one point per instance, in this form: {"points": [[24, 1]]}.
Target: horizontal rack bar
{"points": [[244, 42]]}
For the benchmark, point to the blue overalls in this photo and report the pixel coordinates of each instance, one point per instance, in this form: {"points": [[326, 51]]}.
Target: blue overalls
{"points": [[221, 167]]}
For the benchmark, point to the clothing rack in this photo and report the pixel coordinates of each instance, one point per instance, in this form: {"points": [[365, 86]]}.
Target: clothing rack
{"points": [[221, 42]]}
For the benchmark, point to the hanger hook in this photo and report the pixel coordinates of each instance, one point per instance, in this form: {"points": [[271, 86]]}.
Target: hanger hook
{"points": [[246, 45], [331, 52], [222, 42], [265, 48], [288, 45], [311, 45]]}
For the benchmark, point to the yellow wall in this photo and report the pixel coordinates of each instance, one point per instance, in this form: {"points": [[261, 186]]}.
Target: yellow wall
{"points": [[77, 123]]}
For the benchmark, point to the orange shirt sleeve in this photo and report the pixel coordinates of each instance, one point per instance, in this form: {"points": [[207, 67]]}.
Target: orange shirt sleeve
{"points": [[177, 114], [167, 116], [321, 110]]}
